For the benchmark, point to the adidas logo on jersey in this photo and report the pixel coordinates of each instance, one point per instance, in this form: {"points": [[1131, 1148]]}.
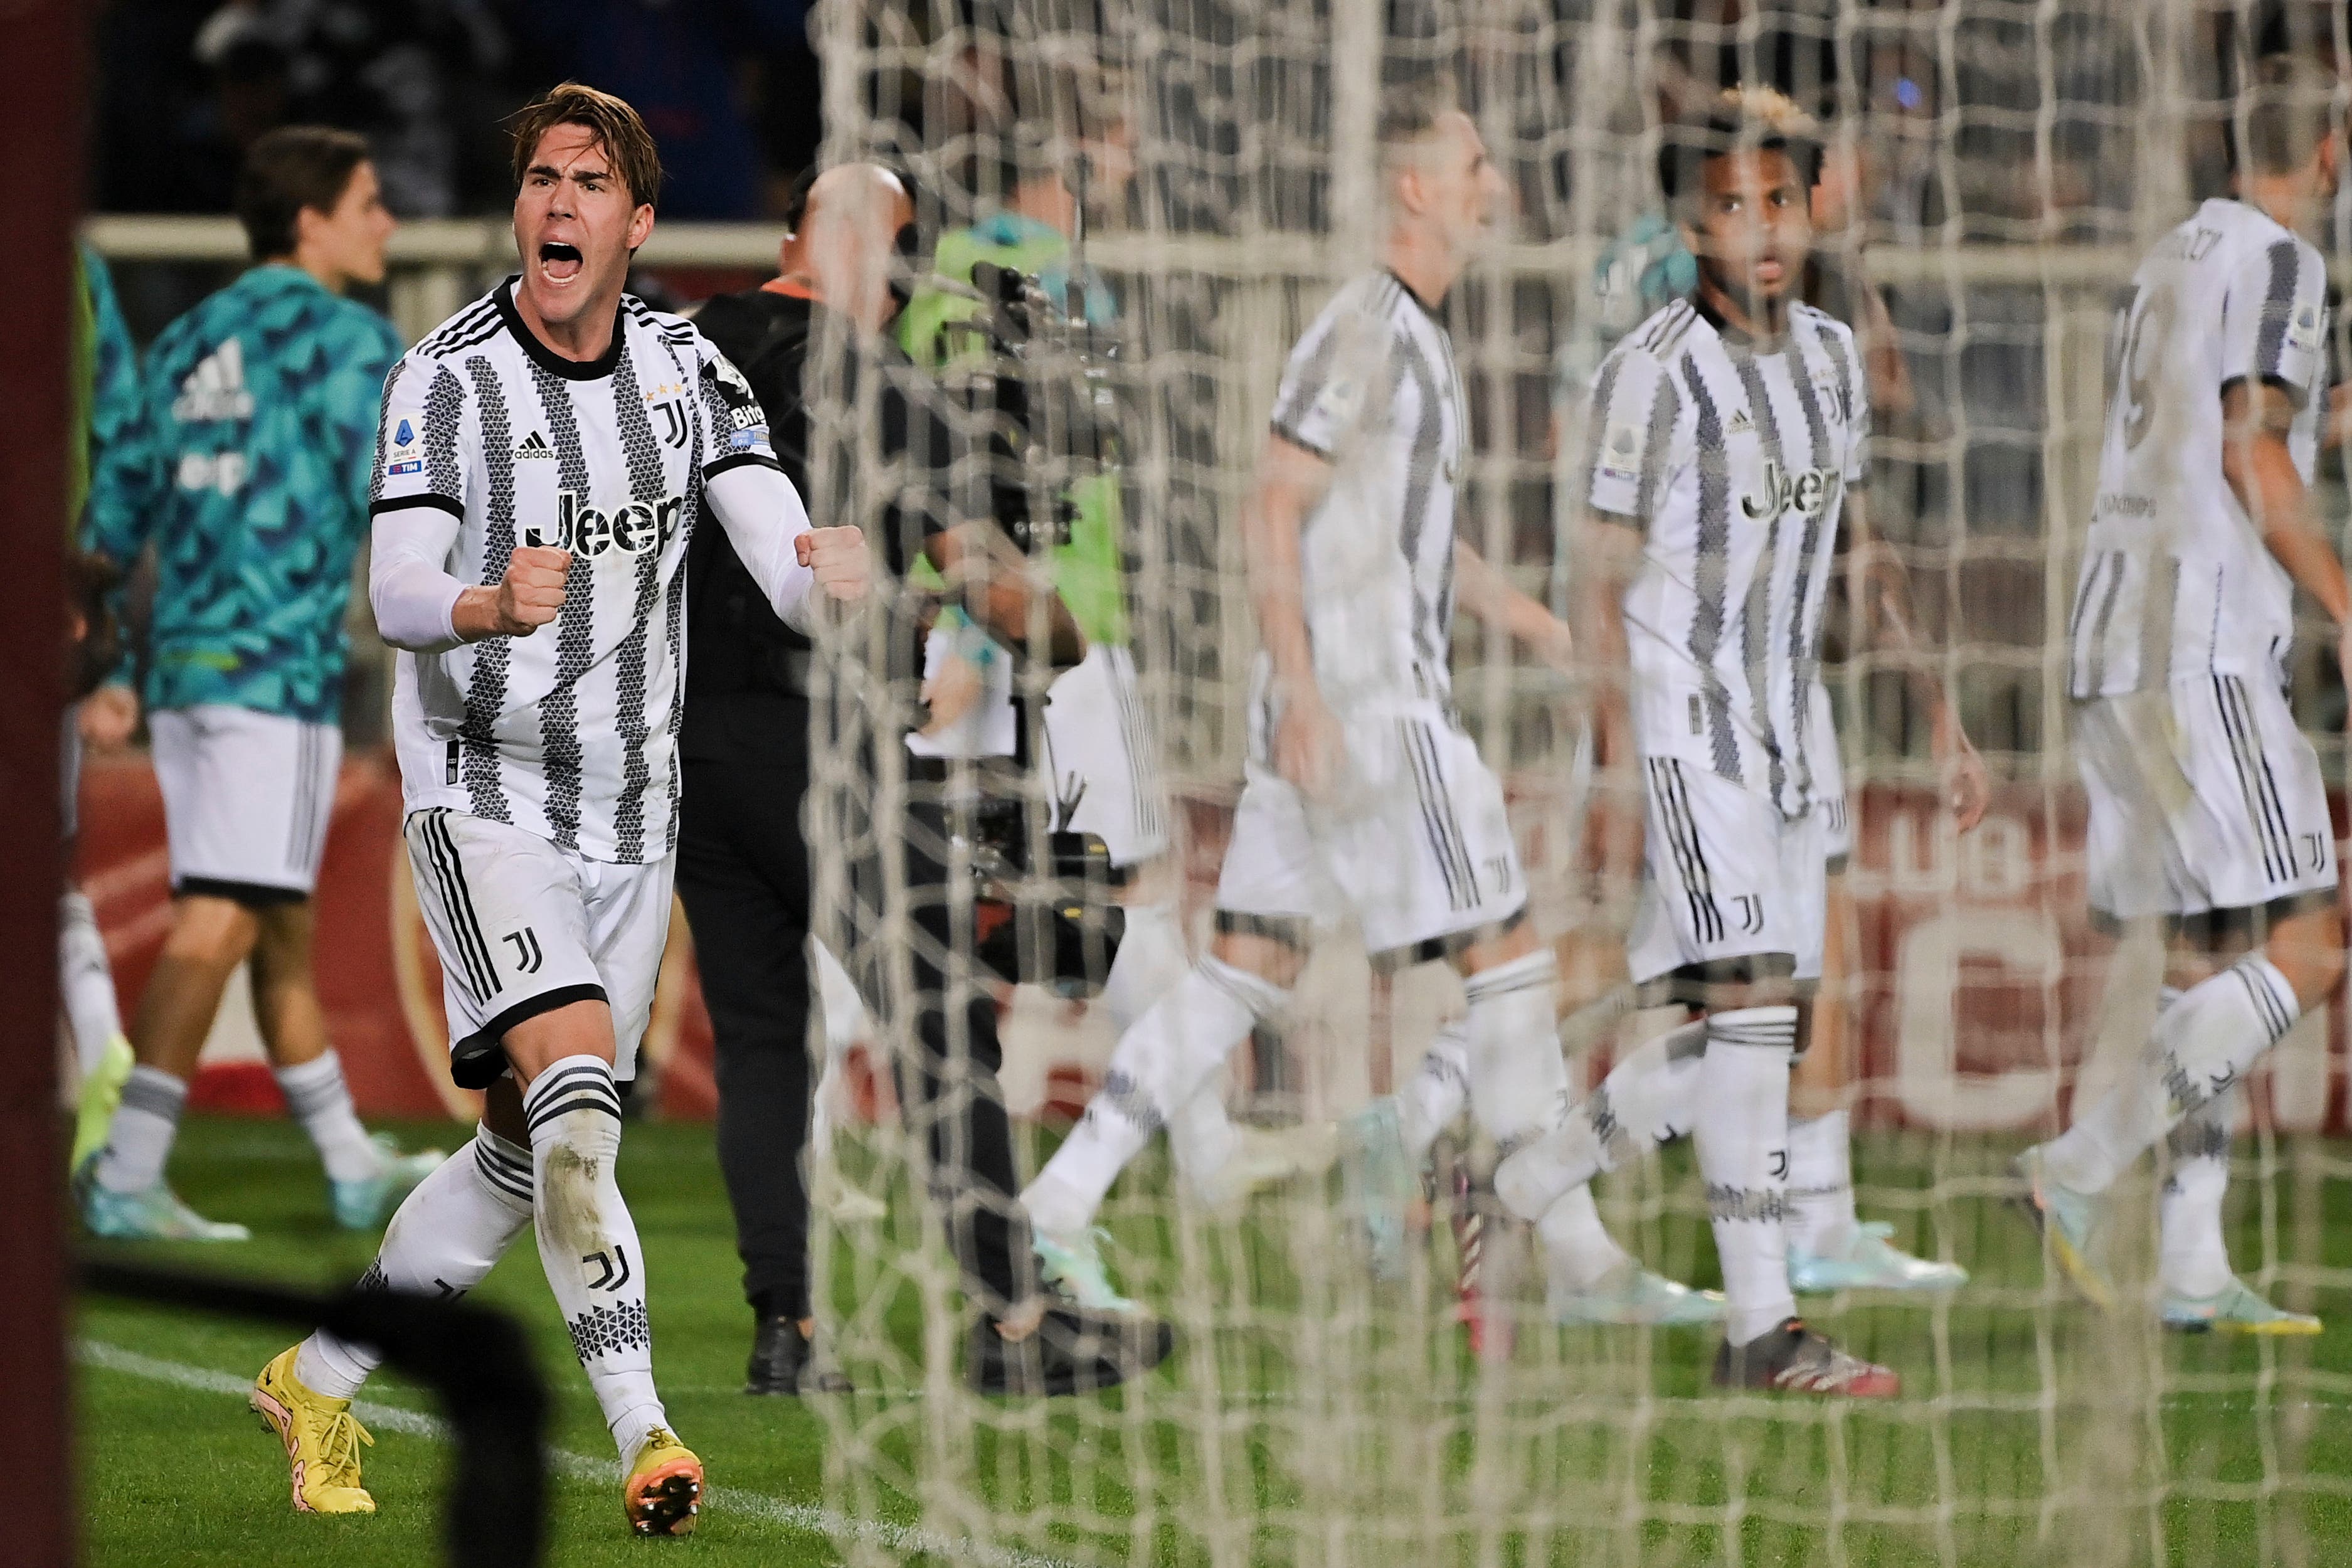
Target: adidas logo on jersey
{"points": [[632, 530], [1741, 425], [533, 446], [215, 388]]}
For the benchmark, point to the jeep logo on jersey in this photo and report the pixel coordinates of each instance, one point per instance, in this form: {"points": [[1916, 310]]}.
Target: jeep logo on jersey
{"points": [[1804, 493], [632, 530]]}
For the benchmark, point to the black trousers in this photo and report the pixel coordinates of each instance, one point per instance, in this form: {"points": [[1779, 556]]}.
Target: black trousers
{"points": [[939, 1010], [743, 874]]}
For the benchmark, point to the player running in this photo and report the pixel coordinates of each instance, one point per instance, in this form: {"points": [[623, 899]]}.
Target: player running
{"points": [[540, 463], [260, 407], [1363, 795], [1730, 430], [2208, 808]]}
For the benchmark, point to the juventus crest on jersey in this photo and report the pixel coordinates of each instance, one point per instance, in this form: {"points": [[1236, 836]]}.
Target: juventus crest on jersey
{"points": [[2176, 580], [1734, 458], [1371, 388], [569, 732]]}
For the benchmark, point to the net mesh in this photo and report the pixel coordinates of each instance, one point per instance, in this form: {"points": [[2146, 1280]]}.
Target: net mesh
{"points": [[2002, 164]]}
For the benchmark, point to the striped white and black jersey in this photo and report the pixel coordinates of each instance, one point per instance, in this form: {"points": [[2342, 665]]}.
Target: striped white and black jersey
{"points": [[569, 733], [2176, 582], [1372, 389], [1733, 458]]}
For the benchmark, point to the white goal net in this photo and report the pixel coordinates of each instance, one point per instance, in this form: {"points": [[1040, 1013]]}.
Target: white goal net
{"points": [[1999, 167]]}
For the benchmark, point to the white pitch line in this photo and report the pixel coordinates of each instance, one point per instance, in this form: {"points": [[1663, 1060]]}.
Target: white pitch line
{"points": [[900, 1539]]}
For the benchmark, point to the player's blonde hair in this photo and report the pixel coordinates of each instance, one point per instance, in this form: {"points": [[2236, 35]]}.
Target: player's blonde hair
{"points": [[1736, 118]]}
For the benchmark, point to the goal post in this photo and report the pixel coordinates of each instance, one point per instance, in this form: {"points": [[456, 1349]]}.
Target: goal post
{"points": [[2002, 164]]}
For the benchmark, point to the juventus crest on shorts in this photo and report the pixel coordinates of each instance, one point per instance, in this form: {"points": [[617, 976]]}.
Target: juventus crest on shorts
{"points": [[569, 732]]}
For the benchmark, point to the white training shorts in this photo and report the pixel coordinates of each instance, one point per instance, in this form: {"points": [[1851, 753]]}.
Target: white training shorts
{"points": [[1415, 844], [1102, 759], [246, 799], [1829, 783], [1726, 879], [2204, 795], [523, 928]]}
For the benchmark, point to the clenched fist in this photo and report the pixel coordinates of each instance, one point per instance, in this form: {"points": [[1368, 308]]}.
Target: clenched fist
{"points": [[531, 592], [837, 556]]}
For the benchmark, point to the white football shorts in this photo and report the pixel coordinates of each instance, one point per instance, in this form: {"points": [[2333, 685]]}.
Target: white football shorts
{"points": [[1726, 877], [1417, 846], [2204, 795], [246, 799], [1102, 759], [1821, 750], [523, 928]]}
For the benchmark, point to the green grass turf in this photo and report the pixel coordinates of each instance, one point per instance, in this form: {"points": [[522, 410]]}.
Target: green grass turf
{"points": [[1351, 1425]]}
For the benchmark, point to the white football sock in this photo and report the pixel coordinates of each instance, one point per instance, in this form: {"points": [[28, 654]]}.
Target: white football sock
{"points": [[2194, 1260], [1438, 1092], [1169, 1055], [86, 981], [588, 1243], [139, 1140], [1151, 961], [1743, 1147], [1578, 1248], [446, 1236], [1650, 1098], [2204, 1044], [320, 1101], [1821, 1221], [1519, 1081]]}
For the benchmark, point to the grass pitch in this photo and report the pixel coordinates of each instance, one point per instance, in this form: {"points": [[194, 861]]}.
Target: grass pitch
{"points": [[2031, 1430]]}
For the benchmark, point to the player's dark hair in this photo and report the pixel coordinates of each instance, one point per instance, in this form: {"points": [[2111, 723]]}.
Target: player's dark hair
{"points": [[615, 125], [1737, 120], [291, 168], [2287, 109]]}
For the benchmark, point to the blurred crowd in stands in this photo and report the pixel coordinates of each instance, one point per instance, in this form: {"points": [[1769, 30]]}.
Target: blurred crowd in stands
{"points": [[730, 86]]}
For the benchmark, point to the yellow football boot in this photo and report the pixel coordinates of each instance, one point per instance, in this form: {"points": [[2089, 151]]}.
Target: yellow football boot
{"points": [[322, 1439], [664, 1491], [102, 1091]]}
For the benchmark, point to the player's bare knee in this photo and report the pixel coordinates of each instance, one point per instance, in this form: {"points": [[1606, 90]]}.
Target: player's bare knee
{"points": [[2311, 959], [1275, 960], [575, 1029], [215, 932]]}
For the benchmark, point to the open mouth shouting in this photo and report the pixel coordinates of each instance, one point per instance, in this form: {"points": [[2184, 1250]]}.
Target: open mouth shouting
{"points": [[559, 261]]}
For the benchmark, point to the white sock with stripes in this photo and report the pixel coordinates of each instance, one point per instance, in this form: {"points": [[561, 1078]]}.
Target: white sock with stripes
{"points": [[2193, 1260], [1438, 1091], [139, 1142], [1173, 1052], [87, 981], [1152, 960], [588, 1243], [1651, 1097], [1743, 1149], [1821, 1221], [320, 1101], [447, 1236], [1518, 1080], [2202, 1045]]}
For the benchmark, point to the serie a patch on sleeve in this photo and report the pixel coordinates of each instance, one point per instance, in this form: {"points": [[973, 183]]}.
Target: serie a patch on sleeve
{"points": [[1620, 450]]}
